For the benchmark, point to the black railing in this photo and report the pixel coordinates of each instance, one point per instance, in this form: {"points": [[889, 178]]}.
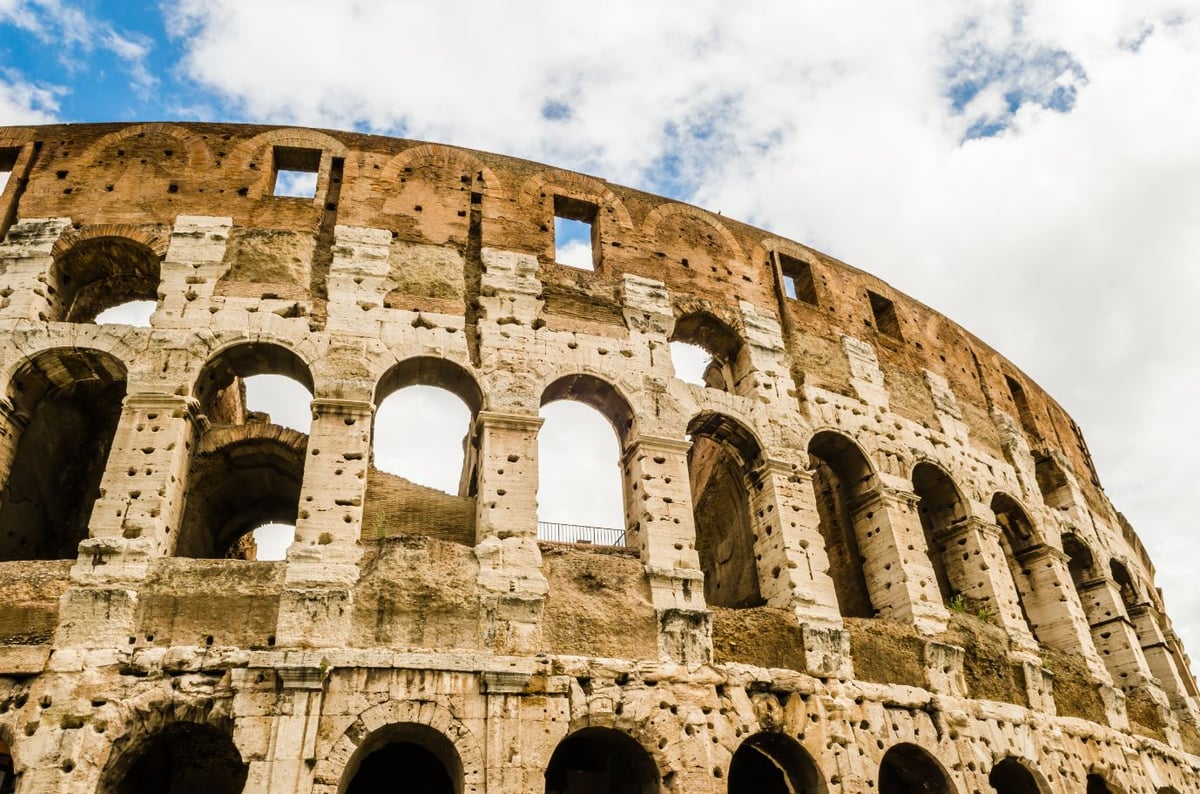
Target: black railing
{"points": [[555, 532]]}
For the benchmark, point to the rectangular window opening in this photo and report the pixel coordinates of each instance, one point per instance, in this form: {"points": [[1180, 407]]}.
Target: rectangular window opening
{"points": [[886, 321], [295, 172], [8, 161], [798, 284], [575, 233]]}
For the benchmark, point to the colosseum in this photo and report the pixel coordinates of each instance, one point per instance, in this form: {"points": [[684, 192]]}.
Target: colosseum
{"points": [[866, 554]]}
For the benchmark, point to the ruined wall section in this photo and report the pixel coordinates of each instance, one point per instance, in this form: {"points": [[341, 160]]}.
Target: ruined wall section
{"points": [[420, 263]]}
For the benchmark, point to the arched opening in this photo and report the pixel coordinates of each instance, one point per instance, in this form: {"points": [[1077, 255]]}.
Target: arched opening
{"points": [[181, 758], [135, 313], [1080, 560], [1017, 538], [601, 761], [1096, 784], [1012, 776], [1124, 582], [707, 352], [422, 475], [405, 756], [247, 468], [580, 444], [1052, 482], [721, 465], [841, 477], [98, 274], [906, 769], [940, 508], [773, 763], [65, 405], [7, 780]]}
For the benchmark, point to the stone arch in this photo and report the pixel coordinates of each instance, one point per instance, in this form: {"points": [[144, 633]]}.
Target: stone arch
{"points": [[722, 465], [1018, 530], [1053, 482], [8, 761], [1125, 583], [241, 477], [805, 270], [842, 478], [1081, 560], [100, 267], [424, 757], [665, 212], [253, 154], [601, 759], [730, 364], [539, 187], [217, 387], [941, 508], [199, 155], [598, 393], [907, 767], [1012, 775], [330, 773], [63, 406], [1018, 539], [1098, 783], [431, 371], [184, 757], [773, 763], [492, 187]]}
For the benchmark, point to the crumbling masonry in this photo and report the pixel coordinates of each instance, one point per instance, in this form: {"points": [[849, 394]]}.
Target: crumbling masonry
{"points": [[869, 555]]}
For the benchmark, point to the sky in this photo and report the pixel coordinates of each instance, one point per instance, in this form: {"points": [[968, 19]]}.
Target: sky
{"points": [[1029, 169]]}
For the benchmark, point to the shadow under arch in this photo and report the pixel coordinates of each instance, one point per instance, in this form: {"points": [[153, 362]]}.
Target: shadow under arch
{"points": [[909, 768], [773, 763], [1013, 775], [431, 371], [599, 759], [722, 464], [65, 406], [716, 337], [842, 476], [596, 393], [182, 757], [420, 755], [241, 478], [101, 272], [941, 508]]}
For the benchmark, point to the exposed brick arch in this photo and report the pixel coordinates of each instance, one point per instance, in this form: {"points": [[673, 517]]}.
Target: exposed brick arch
{"points": [[102, 266], [536, 190], [198, 153], [718, 231], [482, 177], [598, 393]]}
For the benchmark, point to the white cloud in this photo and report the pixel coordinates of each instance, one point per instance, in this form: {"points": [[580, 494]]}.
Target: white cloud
{"points": [[1067, 240], [24, 102]]}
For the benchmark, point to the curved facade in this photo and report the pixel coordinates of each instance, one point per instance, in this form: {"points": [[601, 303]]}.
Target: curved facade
{"points": [[869, 555]]}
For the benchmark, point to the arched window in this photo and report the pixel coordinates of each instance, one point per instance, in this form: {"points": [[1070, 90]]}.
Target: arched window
{"points": [[246, 470], [422, 475], [601, 761], [773, 763], [940, 508], [580, 446], [1016, 538], [707, 352], [419, 756], [1052, 482], [1012, 776], [66, 404], [1080, 560], [99, 274], [721, 465], [181, 757], [1096, 784], [1120, 575], [841, 477], [907, 768], [7, 781]]}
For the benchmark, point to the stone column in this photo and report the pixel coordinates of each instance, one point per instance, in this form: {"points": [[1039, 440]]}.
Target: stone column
{"points": [[1113, 632], [134, 521], [1055, 613], [659, 523], [1156, 648], [288, 734], [793, 569], [322, 567], [899, 575], [195, 261], [512, 586], [977, 568]]}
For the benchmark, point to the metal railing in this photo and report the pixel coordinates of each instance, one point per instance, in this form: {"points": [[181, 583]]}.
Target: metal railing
{"points": [[555, 532]]}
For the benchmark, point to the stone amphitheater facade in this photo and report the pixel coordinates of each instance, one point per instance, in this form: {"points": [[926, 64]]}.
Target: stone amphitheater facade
{"points": [[869, 555]]}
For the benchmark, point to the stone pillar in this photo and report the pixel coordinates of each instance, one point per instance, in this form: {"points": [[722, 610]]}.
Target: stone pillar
{"points": [[899, 575], [793, 570], [26, 264], [288, 763], [1113, 632], [1156, 648], [512, 586], [1054, 611], [977, 568], [322, 567], [12, 425], [195, 261], [659, 523]]}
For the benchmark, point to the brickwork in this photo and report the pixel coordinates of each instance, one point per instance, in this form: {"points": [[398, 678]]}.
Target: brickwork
{"points": [[916, 580]]}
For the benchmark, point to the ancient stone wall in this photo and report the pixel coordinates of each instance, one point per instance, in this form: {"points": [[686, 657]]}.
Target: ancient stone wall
{"points": [[869, 555]]}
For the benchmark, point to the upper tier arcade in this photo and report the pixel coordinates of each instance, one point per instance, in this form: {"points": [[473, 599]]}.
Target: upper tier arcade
{"points": [[865, 509]]}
